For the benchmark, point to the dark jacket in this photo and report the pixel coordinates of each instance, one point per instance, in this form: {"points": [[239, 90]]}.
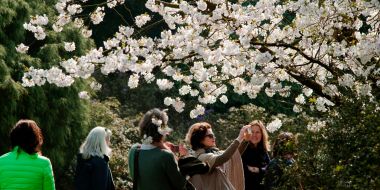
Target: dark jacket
{"points": [[93, 174], [254, 157], [274, 176]]}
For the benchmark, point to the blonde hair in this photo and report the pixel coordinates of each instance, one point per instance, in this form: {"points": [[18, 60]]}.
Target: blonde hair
{"points": [[95, 143], [264, 137]]}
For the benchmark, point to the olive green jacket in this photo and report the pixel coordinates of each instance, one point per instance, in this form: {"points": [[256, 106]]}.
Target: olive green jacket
{"points": [[157, 170]]}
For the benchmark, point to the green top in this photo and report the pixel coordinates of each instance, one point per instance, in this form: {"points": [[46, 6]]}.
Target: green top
{"points": [[20, 170], [158, 170]]}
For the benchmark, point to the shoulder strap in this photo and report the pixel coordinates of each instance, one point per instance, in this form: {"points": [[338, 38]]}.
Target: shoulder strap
{"points": [[136, 168]]}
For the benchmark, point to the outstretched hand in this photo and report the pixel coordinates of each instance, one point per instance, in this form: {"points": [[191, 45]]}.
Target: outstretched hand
{"points": [[242, 132]]}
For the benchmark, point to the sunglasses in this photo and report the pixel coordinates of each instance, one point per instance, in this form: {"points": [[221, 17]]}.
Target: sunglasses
{"points": [[210, 135]]}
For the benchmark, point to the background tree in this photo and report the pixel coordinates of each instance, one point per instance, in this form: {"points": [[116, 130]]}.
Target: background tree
{"points": [[61, 114], [322, 54]]}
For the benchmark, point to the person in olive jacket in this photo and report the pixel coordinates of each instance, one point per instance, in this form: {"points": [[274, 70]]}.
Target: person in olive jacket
{"points": [[156, 167], [24, 167], [92, 171]]}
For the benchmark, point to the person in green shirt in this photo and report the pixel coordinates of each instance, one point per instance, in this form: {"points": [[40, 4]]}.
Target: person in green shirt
{"points": [[24, 167], [156, 167]]}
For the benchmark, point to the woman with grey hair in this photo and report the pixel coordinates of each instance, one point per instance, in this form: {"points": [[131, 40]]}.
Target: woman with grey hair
{"points": [[152, 164], [92, 171]]}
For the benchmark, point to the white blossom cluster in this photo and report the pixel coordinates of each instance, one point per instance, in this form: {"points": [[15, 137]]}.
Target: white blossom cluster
{"points": [[141, 20], [315, 127], [199, 110], [274, 125], [84, 95], [246, 47], [22, 48], [36, 26], [69, 46]]}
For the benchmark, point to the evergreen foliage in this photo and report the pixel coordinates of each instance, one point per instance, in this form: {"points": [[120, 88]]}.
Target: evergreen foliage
{"points": [[62, 116]]}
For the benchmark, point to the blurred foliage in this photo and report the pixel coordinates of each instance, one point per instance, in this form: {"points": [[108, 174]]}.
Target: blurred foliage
{"points": [[59, 112]]}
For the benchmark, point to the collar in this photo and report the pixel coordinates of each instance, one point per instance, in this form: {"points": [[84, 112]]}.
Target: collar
{"points": [[200, 151], [17, 151], [147, 147]]}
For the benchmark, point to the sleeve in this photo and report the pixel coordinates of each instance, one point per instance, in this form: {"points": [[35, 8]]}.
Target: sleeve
{"points": [[263, 168], [227, 154], [243, 146], [131, 160], [99, 174], [171, 169], [48, 183]]}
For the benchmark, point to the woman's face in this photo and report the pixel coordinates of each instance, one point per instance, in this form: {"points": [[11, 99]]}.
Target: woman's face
{"points": [[256, 135], [209, 139]]}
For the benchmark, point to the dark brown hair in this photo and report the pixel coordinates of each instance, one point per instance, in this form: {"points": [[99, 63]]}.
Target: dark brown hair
{"points": [[27, 136], [150, 129], [196, 134], [284, 144]]}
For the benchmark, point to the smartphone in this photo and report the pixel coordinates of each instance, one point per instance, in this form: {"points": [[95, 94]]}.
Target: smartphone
{"points": [[249, 130]]}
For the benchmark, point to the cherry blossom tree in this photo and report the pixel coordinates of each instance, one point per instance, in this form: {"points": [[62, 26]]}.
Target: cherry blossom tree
{"points": [[329, 47]]}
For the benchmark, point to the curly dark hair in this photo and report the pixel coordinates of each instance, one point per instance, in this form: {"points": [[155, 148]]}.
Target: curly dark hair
{"points": [[284, 144], [148, 128], [27, 136], [197, 132]]}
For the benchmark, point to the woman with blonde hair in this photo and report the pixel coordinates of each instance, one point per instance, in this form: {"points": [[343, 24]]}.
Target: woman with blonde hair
{"points": [[92, 171], [225, 166], [254, 153]]}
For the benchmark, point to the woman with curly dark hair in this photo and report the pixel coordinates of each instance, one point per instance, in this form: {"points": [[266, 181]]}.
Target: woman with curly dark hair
{"points": [[24, 167], [284, 149], [152, 164]]}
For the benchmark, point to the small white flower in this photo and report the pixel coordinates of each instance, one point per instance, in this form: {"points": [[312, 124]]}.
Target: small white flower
{"points": [[194, 92], [86, 33], [69, 46], [178, 105], [300, 99], [307, 91], [202, 5], [95, 85], [164, 84], [184, 90], [164, 131], [133, 81], [147, 140], [84, 95], [21, 48], [223, 99], [57, 28], [297, 108], [157, 122], [199, 110], [97, 16], [168, 101], [142, 19]]}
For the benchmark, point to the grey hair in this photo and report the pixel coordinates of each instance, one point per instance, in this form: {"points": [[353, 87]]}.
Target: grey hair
{"points": [[96, 143]]}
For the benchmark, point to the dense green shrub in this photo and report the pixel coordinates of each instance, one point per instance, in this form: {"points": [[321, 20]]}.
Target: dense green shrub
{"points": [[62, 116]]}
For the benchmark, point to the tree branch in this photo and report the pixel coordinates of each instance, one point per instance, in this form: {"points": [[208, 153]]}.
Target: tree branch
{"points": [[309, 58]]}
